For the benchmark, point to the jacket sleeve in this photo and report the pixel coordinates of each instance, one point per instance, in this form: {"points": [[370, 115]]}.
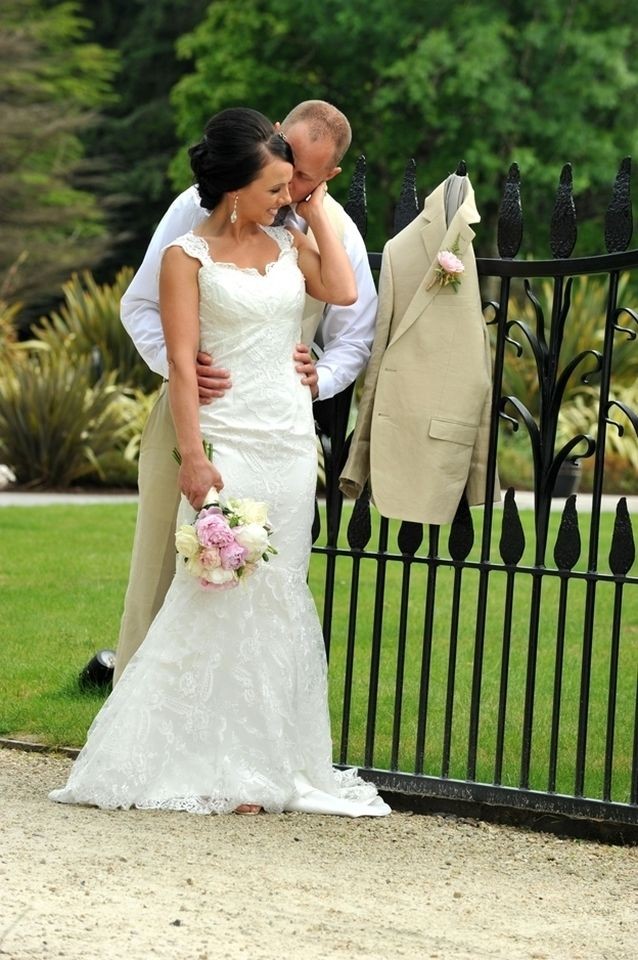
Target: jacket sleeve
{"points": [[357, 469]]}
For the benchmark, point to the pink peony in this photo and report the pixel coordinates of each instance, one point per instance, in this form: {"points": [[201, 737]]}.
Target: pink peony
{"points": [[232, 556], [211, 557], [449, 262], [213, 530]]}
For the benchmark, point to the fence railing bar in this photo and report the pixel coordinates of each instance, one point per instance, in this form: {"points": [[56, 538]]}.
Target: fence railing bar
{"points": [[567, 551], [451, 673], [531, 269], [477, 671], [530, 679], [400, 665], [350, 651], [491, 567], [633, 791], [612, 692], [377, 633], [585, 688], [426, 650], [506, 644], [598, 812], [328, 601], [559, 657]]}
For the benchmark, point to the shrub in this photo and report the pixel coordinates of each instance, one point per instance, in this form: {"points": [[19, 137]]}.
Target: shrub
{"points": [[56, 421], [74, 399], [119, 465], [584, 330], [8, 336], [580, 415], [89, 324]]}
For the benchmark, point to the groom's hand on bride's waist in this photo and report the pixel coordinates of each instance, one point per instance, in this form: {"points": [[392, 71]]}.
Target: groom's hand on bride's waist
{"points": [[212, 381], [305, 365]]}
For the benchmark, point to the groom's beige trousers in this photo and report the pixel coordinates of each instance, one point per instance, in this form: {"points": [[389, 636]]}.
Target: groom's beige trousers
{"points": [[153, 557]]}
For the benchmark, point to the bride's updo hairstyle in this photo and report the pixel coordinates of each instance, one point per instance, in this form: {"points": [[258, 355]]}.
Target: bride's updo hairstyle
{"points": [[236, 144]]}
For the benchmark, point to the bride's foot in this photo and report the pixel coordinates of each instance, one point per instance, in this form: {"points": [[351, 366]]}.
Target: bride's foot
{"points": [[248, 809]]}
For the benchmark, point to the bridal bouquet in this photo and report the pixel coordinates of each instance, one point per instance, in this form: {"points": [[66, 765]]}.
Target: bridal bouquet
{"points": [[226, 542]]}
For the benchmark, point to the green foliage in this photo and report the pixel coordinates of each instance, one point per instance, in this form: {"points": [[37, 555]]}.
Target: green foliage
{"points": [[621, 445], [136, 136], [140, 403], [584, 330], [8, 337], [51, 84], [88, 323], [55, 420], [74, 400], [490, 82], [581, 416], [515, 465]]}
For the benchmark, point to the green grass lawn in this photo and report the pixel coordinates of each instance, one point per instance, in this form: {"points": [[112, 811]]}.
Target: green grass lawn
{"points": [[63, 574]]}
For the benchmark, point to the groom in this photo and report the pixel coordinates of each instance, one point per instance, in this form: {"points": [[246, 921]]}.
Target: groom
{"points": [[319, 135]]}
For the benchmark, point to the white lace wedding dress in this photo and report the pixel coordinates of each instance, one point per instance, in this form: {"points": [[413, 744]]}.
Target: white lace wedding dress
{"points": [[226, 701]]}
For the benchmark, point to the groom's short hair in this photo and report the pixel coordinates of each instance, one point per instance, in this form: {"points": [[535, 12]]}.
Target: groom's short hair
{"points": [[322, 120]]}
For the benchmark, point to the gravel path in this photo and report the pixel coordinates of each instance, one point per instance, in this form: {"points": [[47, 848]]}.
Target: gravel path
{"points": [[84, 883]]}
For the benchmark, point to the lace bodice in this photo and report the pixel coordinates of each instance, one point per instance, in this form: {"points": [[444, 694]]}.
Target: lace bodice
{"points": [[250, 323]]}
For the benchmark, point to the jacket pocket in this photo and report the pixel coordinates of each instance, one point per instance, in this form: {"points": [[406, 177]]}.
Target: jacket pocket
{"points": [[453, 430]]}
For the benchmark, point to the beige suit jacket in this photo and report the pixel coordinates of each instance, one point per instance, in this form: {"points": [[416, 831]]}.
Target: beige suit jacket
{"points": [[423, 423]]}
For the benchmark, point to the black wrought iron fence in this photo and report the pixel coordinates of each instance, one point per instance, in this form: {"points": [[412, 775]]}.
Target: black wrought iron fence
{"points": [[496, 660]]}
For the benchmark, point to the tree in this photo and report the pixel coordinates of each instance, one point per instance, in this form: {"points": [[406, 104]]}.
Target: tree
{"points": [[490, 81], [136, 138], [51, 86]]}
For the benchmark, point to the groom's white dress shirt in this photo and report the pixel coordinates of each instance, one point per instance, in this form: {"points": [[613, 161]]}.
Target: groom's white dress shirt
{"points": [[346, 332]]}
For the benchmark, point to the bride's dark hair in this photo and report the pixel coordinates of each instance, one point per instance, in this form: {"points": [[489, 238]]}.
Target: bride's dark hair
{"points": [[236, 144]]}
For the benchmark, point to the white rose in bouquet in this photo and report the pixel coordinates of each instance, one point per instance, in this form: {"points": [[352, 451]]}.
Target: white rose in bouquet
{"points": [[254, 539], [249, 511], [219, 576], [186, 541]]}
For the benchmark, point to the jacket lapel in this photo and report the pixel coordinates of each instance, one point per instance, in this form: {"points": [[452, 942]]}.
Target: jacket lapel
{"points": [[436, 236]]}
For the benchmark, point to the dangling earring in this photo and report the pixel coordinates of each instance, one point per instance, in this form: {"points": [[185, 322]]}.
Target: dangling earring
{"points": [[233, 213]]}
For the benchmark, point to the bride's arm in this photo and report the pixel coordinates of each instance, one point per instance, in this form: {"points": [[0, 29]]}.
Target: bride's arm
{"points": [[179, 310], [325, 264]]}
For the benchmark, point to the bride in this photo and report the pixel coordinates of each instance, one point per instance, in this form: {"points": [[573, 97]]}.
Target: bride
{"points": [[224, 706]]}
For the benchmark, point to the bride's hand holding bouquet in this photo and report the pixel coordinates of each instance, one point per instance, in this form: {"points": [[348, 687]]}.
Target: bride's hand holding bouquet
{"points": [[196, 478], [198, 475], [226, 542]]}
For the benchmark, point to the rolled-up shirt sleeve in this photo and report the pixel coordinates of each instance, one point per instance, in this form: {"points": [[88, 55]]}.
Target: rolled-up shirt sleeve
{"points": [[347, 332], [139, 308]]}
